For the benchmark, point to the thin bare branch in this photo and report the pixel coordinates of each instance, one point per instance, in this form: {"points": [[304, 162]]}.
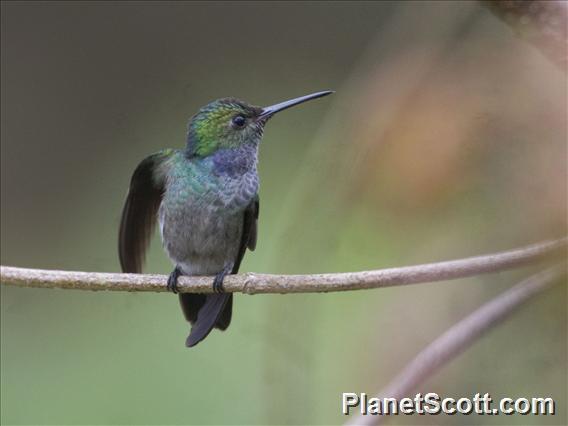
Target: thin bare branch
{"points": [[461, 336], [541, 23], [251, 283]]}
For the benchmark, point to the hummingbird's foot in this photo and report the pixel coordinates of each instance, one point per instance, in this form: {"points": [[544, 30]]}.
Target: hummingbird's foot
{"points": [[173, 280], [218, 281]]}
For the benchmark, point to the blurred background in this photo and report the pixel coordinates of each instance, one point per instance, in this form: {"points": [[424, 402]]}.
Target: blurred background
{"points": [[445, 139]]}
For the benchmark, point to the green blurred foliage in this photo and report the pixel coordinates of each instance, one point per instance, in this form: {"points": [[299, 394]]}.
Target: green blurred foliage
{"points": [[446, 138]]}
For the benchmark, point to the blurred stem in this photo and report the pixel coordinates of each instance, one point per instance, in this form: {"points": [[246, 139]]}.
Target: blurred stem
{"points": [[251, 283], [541, 23], [461, 336]]}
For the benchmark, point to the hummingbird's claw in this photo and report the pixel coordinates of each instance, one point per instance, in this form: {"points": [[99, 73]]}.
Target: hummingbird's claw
{"points": [[172, 281], [218, 281]]}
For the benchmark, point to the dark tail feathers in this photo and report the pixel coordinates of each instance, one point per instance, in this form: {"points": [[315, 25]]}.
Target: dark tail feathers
{"points": [[205, 312]]}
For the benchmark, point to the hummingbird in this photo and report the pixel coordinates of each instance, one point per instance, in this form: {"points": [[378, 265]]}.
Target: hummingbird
{"points": [[205, 199]]}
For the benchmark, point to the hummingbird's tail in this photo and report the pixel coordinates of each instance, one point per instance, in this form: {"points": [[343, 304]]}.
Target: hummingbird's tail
{"points": [[205, 312]]}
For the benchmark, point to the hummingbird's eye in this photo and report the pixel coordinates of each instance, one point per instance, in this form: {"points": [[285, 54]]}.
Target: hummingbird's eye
{"points": [[238, 121]]}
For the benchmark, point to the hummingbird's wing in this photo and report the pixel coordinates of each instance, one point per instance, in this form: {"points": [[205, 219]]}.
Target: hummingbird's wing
{"points": [[140, 212], [248, 240], [250, 227]]}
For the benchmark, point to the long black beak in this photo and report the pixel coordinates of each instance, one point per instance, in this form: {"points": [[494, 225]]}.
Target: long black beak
{"points": [[269, 111]]}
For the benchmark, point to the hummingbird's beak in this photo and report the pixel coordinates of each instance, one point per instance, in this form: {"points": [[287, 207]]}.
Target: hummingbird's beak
{"points": [[269, 111]]}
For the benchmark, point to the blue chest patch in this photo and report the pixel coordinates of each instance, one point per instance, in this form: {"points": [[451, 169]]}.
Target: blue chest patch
{"points": [[235, 162]]}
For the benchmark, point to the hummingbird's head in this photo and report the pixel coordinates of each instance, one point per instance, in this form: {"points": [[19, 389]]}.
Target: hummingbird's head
{"points": [[230, 123]]}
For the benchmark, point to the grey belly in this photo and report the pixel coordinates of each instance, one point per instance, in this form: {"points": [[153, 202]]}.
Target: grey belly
{"points": [[200, 241]]}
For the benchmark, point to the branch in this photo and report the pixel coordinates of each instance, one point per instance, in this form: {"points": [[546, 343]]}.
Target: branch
{"points": [[251, 283], [461, 336], [541, 23]]}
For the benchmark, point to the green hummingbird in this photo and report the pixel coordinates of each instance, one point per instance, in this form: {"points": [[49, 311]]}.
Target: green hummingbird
{"points": [[205, 198]]}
